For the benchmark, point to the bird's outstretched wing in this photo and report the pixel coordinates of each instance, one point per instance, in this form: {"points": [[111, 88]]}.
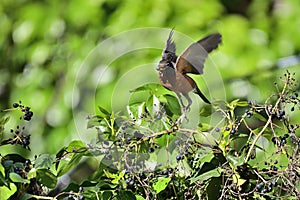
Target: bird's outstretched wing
{"points": [[192, 59], [169, 52]]}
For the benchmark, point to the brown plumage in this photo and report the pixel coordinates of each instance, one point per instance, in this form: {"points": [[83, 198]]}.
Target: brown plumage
{"points": [[172, 70]]}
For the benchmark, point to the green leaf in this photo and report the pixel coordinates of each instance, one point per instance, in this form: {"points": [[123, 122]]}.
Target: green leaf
{"points": [[26, 196], [203, 127], [138, 197], [94, 121], [242, 103], [44, 161], [173, 104], [103, 111], [238, 180], [46, 177], [235, 161], [7, 192], [233, 104], [2, 170], [136, 110], [17, 178], [207, 175], [3, 121], [207, 157], [147, 87], [32, 173], [76, 145], [64, 167], [206, 111], [126, 195], [161, 184], [205, 138], [259, 117]]}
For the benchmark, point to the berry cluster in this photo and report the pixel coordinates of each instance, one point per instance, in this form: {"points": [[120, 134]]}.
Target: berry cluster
{"points": [[266, 187], [76, 196], [281, 140], [25, 109], [20, 137]]}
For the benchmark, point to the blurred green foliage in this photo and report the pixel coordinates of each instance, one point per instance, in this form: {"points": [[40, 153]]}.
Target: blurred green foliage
{"points": [[44, 46]]}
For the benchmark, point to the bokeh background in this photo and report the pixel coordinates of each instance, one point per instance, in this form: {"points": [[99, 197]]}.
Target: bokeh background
{"points": [[48, 47]]}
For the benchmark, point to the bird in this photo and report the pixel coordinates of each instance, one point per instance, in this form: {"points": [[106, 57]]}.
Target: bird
{"points": [[173, 69]]}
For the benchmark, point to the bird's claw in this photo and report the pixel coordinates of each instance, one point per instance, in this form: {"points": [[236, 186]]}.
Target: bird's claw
{"points": [[181, 118]]}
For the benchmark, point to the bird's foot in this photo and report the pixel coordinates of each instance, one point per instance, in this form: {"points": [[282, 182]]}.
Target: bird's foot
{"points": [[181, 118]]}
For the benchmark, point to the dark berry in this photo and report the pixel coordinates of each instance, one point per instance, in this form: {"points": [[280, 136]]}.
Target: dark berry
{"points": [[286, 136], [131, 183], [81, 197], [108, 157], [128, 180], [249, 103], [259, 185], [264, 191], [164, 172], [269, 189], [27, 117], [283, 142], [227, 128], [170, 170], [27, 163], [179, 157], [15, 105], [142, 175], [274, 139], [151, 150], [232, 131], [217, 129]]}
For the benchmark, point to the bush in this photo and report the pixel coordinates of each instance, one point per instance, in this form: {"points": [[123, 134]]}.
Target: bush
{"points": [[239, 150]]}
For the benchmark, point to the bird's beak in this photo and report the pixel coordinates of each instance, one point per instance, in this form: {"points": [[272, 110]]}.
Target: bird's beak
{"points": [[157, 67]]}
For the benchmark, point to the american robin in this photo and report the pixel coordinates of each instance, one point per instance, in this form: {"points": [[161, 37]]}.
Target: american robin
{"points": [[172, 69]]}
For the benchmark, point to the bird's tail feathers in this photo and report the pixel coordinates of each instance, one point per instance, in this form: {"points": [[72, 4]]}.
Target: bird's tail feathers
{"points": [[197, 91]]}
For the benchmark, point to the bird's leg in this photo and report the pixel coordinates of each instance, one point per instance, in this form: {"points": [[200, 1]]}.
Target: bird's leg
{"points": [[181, 103], [183, 110], [189, 101]]}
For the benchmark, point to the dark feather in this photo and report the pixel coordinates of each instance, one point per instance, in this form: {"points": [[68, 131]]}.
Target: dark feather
{"points": [[193, 58]]}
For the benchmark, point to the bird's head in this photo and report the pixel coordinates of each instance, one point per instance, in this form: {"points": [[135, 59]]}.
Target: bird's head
{"points": [[163, 65]]}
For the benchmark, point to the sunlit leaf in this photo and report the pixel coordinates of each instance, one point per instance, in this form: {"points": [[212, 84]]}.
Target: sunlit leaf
{"points": [[235, 161], [17, 178], [46, 177], [259, 116], [44, 161], [7, 192], [206, 111], [207, 175], [103, 111], [161, 184]]}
